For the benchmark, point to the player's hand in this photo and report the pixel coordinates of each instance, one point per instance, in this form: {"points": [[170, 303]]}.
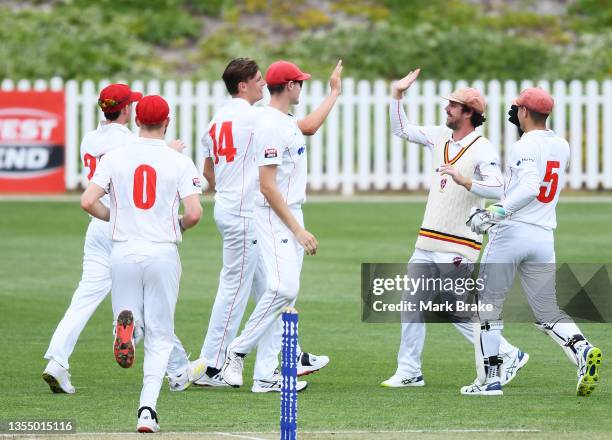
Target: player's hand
{"points": [[177, 145], [335, 80], [307, 241], [401, 85], [454, 173], [481, 220]]}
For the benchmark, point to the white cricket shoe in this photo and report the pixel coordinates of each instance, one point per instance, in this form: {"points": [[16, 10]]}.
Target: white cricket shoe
{"points": [[147, 420], [589, 360], [214, 381], [308, 363], [399, 381], [511, 366], [489, 388], [232, 368], [274, 384], [195, 371], [58, 378]]}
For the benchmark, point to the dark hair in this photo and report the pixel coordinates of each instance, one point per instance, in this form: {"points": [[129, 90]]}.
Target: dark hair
{"points": [[538, 118], [112, 116], [476, 119], [276, 89], [279, 88], [237, 71]]}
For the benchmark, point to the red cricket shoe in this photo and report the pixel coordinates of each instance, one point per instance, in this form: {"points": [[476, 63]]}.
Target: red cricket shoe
{"points": [[124, 339]]}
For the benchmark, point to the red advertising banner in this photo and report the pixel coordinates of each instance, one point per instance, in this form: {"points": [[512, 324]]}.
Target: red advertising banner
{"points": [[32, 140]]}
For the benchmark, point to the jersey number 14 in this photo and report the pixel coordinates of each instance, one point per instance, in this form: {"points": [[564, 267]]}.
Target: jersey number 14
{"points": [[224, 145]]}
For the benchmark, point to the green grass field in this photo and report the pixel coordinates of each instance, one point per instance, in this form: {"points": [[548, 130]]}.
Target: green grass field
{"points": [[41, 264]]}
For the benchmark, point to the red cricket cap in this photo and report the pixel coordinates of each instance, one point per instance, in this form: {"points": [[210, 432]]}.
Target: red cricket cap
{"points": [[281, 72], [116, 96], [152, 110], [535, 99]]}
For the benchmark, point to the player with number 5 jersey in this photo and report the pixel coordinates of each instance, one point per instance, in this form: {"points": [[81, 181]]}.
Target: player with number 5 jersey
{"points": [[521, 239]]}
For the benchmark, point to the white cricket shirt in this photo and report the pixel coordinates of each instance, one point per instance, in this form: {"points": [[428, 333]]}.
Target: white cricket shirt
{"points": [[146, 181], [98, 142], [229, 142], [279, 141], [487, 181], [535, 175]]}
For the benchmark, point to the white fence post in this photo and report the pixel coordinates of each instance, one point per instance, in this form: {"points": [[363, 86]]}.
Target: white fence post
{"points": [[348, 136], [354, 150]]}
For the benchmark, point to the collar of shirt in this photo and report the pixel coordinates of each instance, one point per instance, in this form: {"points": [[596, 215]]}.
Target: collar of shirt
{"points": [[151, 142], [467, 140], [105, 125], [536, 133], [240, 101]]}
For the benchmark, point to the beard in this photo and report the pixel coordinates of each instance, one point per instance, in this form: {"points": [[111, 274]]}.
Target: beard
{"points": [[453, 125]]}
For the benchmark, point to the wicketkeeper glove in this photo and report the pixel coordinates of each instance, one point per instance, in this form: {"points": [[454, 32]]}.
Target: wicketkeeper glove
{"points": [[513, 118], [481, 220]]}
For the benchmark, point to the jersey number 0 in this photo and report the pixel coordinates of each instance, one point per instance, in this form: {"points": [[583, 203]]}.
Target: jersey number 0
{"points": [[145, 181], [224, 146]]}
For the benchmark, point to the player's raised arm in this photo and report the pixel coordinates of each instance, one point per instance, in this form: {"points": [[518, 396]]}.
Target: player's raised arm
{"points": [[311, 123], [400, 126]]}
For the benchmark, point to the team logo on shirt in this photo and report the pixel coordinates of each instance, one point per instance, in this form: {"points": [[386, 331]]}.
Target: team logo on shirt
{"points": [[196, 182], [301, 150], [270, 153]]}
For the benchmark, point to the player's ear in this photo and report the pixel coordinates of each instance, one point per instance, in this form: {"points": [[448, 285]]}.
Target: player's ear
{"points": [[242, 87]]}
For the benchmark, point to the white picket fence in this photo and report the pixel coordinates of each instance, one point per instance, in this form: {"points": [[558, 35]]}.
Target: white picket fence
{"points": [[355, 151]]}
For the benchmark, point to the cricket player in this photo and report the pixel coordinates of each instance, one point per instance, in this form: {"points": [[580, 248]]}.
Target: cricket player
{"points": [[466, 172], [521, 238], [115, 101], [230, 169], [145, 181], [281, 156]]}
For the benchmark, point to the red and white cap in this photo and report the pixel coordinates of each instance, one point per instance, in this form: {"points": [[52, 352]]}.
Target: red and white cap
{"points": [[281, 72], [535, 99], [470, 97], [152, 110], [116, 96]]}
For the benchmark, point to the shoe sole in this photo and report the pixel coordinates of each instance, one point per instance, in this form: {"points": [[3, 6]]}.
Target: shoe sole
{"points": [[484, 393], [410, 385], [521, 364], [124, 339], [145, 430], [306, 373], [54, 384], [270, 390], [587, 383]]}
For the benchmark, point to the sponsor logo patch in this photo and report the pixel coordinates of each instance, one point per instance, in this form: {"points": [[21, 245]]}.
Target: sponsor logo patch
{"points": [[301, 150], [196, 182], [270, 153]]}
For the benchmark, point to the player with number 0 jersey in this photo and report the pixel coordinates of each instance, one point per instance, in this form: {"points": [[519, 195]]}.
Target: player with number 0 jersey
{"points": [[146, 182]]}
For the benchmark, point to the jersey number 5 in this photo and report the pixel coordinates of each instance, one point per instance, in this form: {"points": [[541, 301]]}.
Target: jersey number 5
{"points": [[224, 146], [552, 178], [145, 180]]}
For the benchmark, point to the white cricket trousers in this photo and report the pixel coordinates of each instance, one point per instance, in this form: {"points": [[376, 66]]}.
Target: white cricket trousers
{"points": [[95, 284], [240, 256], [281, 258], [413, 333], [146, 281]]}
